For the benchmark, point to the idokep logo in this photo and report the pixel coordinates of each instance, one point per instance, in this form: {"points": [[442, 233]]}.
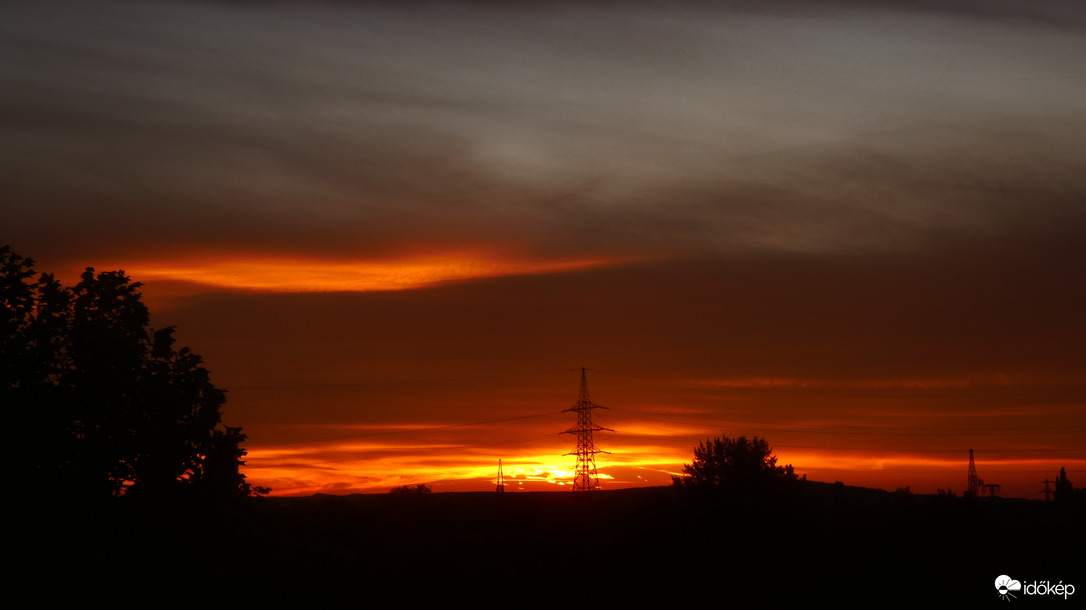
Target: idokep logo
{"points": [[1006, 586]]}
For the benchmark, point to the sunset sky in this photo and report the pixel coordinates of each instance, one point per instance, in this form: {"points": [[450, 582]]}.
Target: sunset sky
{"points": [[396, 231]]}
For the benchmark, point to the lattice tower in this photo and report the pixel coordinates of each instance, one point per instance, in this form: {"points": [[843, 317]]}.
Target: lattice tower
{"points": [[585, 476], [974, 484]]}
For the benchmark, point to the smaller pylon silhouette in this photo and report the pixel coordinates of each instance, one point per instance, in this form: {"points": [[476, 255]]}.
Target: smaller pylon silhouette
{"points": [[501, 478], [1046, 491]]}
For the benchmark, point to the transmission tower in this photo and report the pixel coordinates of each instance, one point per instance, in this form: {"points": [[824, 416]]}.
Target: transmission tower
{"points": [[1046, 491], [972, 488], [501, 478], [586, 478]]}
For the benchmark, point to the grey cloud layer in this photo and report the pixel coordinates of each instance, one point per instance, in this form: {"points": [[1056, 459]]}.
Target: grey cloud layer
{"points": [[614, 127]]}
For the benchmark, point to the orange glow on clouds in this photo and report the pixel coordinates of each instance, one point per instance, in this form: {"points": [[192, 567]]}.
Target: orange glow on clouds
{"points": [[320, 275]]}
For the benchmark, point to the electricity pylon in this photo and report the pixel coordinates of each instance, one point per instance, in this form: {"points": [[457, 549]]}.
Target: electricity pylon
{"points": [[501, 478], [972, 487], [585, 477]]}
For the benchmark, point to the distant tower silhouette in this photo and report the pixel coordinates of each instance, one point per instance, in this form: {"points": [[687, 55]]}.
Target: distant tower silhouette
{"points": [[586, 478], [1046, 491], [501, 478], [972, 488], [976, 484]]}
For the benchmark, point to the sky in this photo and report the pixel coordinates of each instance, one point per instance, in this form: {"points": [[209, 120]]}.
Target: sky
{"points": [[396, 232]]}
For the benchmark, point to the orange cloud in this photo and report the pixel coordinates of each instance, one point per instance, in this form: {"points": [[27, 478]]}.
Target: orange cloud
{"points": [[323, 275]]}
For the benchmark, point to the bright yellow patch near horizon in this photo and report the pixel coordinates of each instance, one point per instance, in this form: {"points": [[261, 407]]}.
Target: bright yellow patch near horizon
{"points": [[319, 275]]}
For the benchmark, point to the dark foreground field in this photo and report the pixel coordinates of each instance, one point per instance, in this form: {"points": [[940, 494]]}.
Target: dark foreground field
{"points": [[816, 543]]}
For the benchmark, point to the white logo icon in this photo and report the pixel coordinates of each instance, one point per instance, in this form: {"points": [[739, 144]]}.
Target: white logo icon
{"points": [[1005, 584]]}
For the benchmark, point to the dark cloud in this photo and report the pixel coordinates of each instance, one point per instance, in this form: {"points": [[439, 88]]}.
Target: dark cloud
{"points": [[358, 128]]}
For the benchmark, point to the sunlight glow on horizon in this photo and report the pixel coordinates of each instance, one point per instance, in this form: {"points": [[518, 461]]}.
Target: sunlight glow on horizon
{"points": [[322, 469], [370, 468]]}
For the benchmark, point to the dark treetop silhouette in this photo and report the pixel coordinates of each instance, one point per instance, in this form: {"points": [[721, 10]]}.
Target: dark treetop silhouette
{"points": [[727, 461], [1064, 491], [99, 405], [421, 488]]}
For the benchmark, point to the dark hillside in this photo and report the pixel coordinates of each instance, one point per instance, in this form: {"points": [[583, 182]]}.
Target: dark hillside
{"points": [[817, 542]]}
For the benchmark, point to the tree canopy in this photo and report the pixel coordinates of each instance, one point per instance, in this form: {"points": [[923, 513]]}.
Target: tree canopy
{"points": [[724, 461], [1064, 490], [421, 488], [100, 404]]}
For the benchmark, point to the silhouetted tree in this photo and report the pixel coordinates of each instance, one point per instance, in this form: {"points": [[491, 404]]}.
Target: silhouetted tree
{"points": [[421, 488], [219, 477], [100, 404], [727, 461], [1064, 490]]}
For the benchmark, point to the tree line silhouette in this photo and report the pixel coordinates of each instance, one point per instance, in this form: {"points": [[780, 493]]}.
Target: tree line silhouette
{"points": [[99, 405]]}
